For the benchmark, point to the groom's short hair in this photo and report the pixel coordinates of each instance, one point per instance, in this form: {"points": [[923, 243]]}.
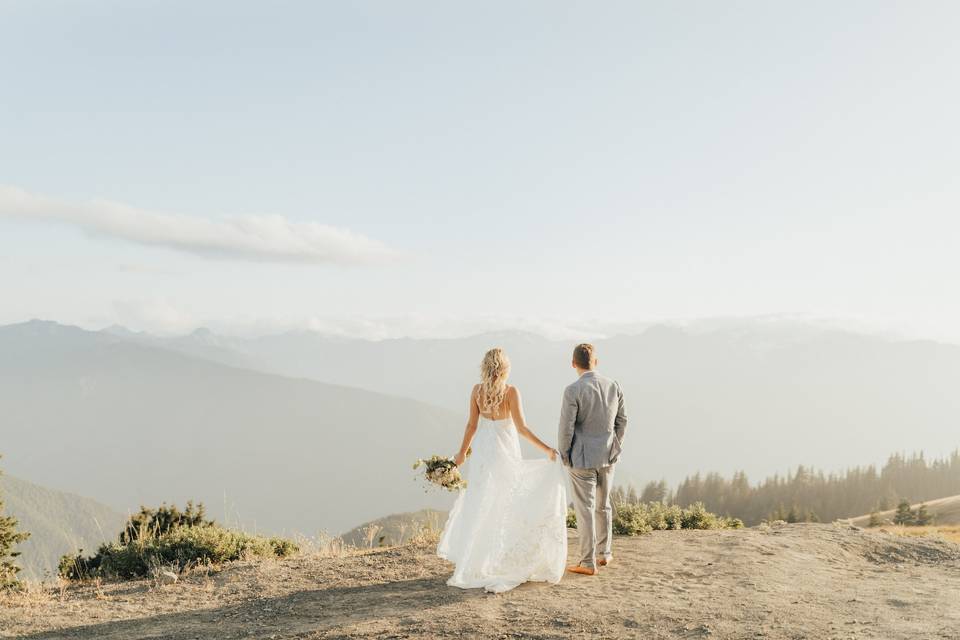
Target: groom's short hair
{"points": [[583, 355]]}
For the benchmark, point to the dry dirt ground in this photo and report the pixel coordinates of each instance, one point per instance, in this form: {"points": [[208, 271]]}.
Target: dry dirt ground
{"points": [[791, 581]]}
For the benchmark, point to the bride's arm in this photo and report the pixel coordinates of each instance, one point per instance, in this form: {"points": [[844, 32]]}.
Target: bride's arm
{"points": [[520, 422], [471, 427]]}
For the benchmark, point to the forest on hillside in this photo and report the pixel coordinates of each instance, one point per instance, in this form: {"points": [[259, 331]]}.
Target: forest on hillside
{"points": [[805, 494]]}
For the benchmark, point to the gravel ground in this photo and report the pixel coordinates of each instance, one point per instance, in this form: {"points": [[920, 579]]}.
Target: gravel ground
{"points": [[814, 581]]}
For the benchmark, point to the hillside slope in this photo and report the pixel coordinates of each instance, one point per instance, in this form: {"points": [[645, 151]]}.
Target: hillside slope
{"points": [[796, 581], [946, 511], [58, 523], [132, 424], [395, 529]]}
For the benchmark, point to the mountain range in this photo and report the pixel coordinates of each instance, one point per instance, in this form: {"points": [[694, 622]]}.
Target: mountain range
{"points": [[303, 431], [133, 424], [753, 395]]}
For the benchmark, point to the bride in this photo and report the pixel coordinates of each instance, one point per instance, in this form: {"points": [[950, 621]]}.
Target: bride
{"points": [[509, 525]]}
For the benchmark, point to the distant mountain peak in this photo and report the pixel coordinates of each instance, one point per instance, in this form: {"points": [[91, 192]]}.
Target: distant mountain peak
{"points": [[120, 330], [39, 322], [37, 326]]}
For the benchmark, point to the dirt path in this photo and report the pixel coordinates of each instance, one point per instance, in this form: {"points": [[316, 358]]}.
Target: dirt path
{"points": [[795, 581]]}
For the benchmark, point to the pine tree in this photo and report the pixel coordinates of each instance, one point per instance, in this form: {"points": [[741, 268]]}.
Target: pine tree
{"points": [[654, 492], [815, 495], [793, 516], [778, 514], [875, 520], [904, 516], [923, 517], [9, 537]]}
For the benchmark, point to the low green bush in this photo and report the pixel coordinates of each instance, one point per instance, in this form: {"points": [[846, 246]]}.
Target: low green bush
{"points": [[179, 546], [150, 523], [633, 519]]}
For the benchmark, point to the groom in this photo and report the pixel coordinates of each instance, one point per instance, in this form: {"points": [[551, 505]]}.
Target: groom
{"points": [[592, 423]]}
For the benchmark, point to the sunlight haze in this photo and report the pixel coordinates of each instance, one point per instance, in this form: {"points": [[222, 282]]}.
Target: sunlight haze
{"points": [[380, 169]]}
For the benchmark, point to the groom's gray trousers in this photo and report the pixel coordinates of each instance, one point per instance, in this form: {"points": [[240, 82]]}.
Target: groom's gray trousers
{"points": [[591, 502]]}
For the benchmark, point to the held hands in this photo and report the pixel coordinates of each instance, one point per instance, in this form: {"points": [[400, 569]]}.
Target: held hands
{"points": [[552, 454]]}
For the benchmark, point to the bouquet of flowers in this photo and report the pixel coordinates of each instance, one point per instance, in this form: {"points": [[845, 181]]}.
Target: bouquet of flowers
{"points": [[442, 472]]}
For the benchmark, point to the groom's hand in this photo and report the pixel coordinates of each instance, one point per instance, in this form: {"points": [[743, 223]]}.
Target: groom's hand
{"points": [[552, 454]]}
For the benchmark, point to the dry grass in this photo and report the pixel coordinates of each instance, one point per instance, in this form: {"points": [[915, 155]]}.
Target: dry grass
{"points": [[947, 532], [34, 600]]}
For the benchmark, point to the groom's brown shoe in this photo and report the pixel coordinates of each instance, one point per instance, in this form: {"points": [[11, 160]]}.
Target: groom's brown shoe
{"points": [[603, 562], [585, 571]]}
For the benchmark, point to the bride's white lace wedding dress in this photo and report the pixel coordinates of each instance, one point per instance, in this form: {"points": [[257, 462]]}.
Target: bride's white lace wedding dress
{"points": [[509, 525]]}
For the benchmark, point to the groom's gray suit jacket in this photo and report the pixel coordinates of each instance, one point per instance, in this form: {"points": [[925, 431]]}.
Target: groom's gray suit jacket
{"points": [[592, 422]]}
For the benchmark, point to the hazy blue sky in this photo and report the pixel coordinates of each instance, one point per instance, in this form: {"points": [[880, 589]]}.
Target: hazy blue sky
{"points": [[412, 166]]}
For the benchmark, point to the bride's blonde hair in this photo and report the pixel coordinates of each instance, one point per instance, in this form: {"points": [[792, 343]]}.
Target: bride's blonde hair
{"points": [[493, 380]]}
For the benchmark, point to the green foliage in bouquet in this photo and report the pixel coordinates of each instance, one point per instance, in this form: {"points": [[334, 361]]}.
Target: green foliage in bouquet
{"points": [[154, 538], [9, 538], [442, 472]]}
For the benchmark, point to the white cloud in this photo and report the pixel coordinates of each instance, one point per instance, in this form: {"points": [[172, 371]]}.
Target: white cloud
{"points": [[260, 238], [418, 326], [155, 315]]}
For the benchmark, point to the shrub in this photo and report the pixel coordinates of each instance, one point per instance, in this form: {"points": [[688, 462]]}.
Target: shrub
{"points": [[697, 517], [9, 538], [630, 520], [633, 519], [157, 522], [284, 548], [150, 540], [663, 517], [76, 567]]}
